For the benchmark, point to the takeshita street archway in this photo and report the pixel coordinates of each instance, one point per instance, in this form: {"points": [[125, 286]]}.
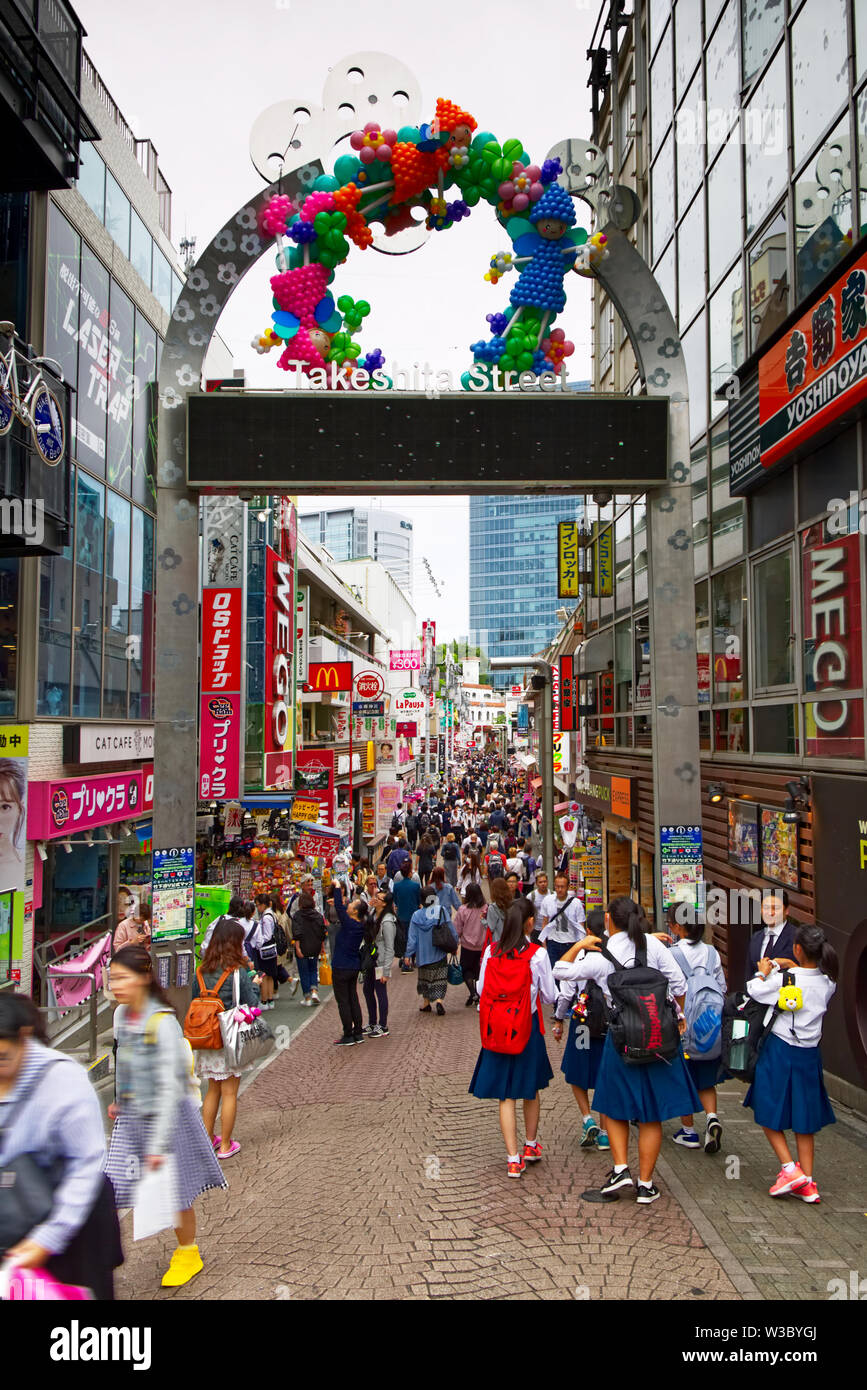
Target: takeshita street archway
{"points": [[392, 202]]}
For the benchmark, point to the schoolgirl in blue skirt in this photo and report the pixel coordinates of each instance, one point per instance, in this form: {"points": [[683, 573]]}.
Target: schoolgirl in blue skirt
{"points": [[648, 1094], [788, 1090], [704, 1072], [509, 1078], [583, 1054]]}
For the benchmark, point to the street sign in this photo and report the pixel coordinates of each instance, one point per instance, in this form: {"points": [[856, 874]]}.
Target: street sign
{"points": [[409, 702], [407, 730], [369, 685], [369, 709]]}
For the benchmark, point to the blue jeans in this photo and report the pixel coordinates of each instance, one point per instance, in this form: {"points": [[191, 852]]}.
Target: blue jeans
{"points": [[556, 949], [308, 973]]}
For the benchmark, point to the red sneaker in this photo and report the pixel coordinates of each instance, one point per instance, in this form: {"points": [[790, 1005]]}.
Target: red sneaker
{"points": [[515, 1170], [532, 1152], [810, 1193], [788, 1182]]}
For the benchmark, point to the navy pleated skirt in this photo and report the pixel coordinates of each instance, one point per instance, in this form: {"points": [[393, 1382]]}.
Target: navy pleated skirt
{"points": [[704, 1074], [580, 1065], [499, 1076], [788, 1091], [657, 1091]]}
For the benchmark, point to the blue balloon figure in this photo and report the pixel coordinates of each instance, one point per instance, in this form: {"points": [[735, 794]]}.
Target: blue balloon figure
{"points": [[546, 243]]}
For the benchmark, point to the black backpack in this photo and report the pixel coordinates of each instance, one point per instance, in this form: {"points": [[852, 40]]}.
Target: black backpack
{"points": [[423, 823], [281, 941], [412, 824], [368, 955], [598, 1015], [643, 1024]]}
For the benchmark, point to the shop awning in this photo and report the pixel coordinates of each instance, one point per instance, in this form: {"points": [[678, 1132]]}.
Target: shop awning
{"points": [[268, 801], [536, 782], [525, 759]]}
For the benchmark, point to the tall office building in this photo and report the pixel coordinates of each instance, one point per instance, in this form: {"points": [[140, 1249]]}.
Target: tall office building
{"points": [[358, 533], [513, 573]]}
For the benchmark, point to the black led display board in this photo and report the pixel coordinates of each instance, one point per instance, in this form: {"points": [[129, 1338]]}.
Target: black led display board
{"points": [[378, 441]]}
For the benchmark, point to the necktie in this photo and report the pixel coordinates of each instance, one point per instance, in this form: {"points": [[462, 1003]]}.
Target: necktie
{"points": [[770, 946]]}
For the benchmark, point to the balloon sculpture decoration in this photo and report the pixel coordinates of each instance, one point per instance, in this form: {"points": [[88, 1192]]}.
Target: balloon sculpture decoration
{"points": [[389, 176]]}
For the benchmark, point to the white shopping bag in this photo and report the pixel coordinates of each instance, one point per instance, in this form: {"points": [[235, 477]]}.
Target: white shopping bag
{"points": [[155, 1205]]}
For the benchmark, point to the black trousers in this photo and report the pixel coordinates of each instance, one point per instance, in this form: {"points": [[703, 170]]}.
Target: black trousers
{"points": [[345, 986]]}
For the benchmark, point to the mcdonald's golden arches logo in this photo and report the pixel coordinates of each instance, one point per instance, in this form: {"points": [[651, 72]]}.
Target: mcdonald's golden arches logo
{"points": [[329, 675]]}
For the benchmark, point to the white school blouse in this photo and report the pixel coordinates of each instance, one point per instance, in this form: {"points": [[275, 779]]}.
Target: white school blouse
{"points": [[592, 965], [541, 978], [804, 1028], [569, 926]]}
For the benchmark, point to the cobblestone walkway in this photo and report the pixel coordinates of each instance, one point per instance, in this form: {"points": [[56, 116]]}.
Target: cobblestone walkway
{"points": [[369, 1172]]}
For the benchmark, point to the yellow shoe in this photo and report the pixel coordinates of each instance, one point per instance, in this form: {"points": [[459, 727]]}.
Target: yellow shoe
{"points": [[186, 1262]]}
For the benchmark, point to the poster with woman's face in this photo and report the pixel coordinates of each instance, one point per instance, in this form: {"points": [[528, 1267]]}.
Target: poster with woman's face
{"points": [[13, 816]]}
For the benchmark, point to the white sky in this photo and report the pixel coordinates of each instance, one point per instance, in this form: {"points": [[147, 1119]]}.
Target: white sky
{"points": [[194, 77]]}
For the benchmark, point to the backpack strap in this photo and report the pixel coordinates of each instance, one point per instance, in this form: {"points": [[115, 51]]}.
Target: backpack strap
{"points": [[681, 960], [151, 1028], [604, 951], [211, 993]]}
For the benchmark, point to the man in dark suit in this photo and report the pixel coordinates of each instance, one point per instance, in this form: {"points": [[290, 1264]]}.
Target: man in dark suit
{"points": [[776, 938]]}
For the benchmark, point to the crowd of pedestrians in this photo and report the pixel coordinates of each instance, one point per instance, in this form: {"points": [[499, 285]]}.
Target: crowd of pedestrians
{"points": [[455, 895]]}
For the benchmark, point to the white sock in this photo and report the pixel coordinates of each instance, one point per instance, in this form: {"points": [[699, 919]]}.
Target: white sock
{"points": [[689, 1129], [711, 1115], [642, 1183], [788, 1167], [620, 1167], [513, 1158]]}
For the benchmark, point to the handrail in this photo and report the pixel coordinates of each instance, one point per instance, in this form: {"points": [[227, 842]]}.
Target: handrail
{"points": [[40, 952], [91, 1002]]}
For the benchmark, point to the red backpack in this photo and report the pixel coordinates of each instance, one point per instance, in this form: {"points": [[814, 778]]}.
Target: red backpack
{"points": [[505, 1017]]}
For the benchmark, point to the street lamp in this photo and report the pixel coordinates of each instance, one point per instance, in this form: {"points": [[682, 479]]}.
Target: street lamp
{"points": [[541, 680]]}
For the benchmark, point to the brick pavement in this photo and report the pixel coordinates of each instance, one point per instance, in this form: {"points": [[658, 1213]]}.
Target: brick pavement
{"points": [[370, 1172]]}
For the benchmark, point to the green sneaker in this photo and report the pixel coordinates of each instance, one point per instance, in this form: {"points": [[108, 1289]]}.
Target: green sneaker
{"points": [[589, 1132], [602, 1142]]}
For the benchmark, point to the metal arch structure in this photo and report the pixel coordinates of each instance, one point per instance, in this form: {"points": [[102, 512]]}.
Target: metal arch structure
{"points": [[632, 288]]}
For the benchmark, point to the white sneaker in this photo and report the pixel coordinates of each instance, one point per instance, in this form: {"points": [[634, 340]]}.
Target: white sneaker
{"points": [[314, 997]]}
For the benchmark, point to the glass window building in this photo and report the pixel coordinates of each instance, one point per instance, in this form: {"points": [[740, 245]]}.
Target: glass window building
{"points": [[513, 573]]}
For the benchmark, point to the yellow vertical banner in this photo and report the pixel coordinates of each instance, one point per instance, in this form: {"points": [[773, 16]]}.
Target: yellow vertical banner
{"points": [[603, 561], [567, 559]]}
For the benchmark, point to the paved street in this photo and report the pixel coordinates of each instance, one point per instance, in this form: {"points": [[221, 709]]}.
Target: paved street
{"points": [[370, 1173]]}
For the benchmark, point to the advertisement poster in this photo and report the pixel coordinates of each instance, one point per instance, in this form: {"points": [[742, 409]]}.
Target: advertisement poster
{"points": [[280, 647], [14, 747], [368, 815], [172, 898], [779, 848], [324, 847], [385, 754], [314, 779], [680, 859], [11, 935], [212, 901], [305, 808], [568, 574], [388, 797], [744, 835], [404, 660]]}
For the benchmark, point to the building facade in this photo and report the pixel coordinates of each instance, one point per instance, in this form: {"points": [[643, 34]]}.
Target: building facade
{"points": [[90, 279], [744, 131], [513, 573], [357, 533]]}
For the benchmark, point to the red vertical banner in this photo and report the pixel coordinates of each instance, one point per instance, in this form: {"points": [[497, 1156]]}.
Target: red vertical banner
{"points": [[606, 701], [567, 696], [220, 709]]}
